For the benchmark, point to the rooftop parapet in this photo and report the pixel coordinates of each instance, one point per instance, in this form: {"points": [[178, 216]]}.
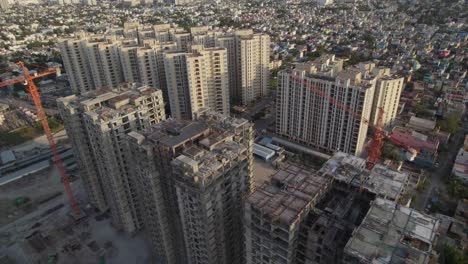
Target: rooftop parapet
{"points": [[391, 233], [351, 170], [292, 192]]}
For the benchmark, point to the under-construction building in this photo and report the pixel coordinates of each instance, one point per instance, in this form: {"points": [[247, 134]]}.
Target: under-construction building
{"points": [[348, 170], [96, 123], [307, 216], [192, 177], [274, 212], [391, 233]]}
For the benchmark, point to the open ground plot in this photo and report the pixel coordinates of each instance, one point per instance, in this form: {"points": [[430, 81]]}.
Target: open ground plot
{"points": [[41, 230]]}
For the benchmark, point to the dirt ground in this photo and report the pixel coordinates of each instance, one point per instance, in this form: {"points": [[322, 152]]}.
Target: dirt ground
{"points": [[36, 187], [262, 171]]}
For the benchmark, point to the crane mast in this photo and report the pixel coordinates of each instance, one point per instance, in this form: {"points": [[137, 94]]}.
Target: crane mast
{"points": [[34, 92]]}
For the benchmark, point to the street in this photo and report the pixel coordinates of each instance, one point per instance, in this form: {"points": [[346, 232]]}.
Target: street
{"points": [[438, 176], [262, 123]]}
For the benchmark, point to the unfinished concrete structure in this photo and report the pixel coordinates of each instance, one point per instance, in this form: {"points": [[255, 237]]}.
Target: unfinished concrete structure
{"points": [[274, 212], [307, 216], [96, 123], [391, 233], [323, 107], [381, 180], [192, 176], [325, 231]]}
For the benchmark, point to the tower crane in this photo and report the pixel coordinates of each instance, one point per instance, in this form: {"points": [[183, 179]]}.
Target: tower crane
{"points": [[374, 149], [28, 80]]}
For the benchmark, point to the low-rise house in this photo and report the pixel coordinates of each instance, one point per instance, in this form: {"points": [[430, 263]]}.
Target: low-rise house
{"points": [[460, 167], [426, 146]]}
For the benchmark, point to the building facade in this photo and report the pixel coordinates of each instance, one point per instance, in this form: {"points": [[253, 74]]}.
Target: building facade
{"points": [[96, 123], [238, 62], [323, 108], [388, 90], [249, 60], [197, 81], [76, 63], [192, 176]]}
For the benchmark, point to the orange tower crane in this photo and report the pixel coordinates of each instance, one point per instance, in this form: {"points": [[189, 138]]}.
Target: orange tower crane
{"points": [[374, 149], [28, 80]]}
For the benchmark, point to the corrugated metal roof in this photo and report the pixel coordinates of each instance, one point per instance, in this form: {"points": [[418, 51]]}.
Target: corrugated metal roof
{"points": [[263, 152], [7, 156]]}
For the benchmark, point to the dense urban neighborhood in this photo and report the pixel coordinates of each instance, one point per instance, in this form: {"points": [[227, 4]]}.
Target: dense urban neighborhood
{"points": [[179, 131]]}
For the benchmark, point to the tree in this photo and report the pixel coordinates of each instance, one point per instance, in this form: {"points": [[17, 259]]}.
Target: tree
{"points": [[457, 189], [451, 255], [356, 58], [273, 84], [294, 52], [421, 110], [451, 123], [300, 42], [389, 151], [419, 74]]}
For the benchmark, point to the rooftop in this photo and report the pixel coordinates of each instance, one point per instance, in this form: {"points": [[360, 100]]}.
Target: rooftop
{"points": [[352, 170], [201, 166], [421, 123], [214, 127], [291, 192], [391, 233], [107, 104], [414, 139]]}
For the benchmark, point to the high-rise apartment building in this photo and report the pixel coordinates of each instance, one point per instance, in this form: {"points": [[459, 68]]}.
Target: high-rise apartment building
{"points": [[274, 212], [164, 32], [92, 61], [135, 54], [388, 90], [193, 176], [145, 64], [96, 123], [330, 116], [175, 66], [249, 58], [183, 40], [95, 62], [204, 36], [104, 60], [197, 81], [76, 63]]}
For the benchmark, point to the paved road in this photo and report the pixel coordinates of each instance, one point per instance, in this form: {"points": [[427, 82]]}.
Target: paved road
{"points": [[260, 105], [438, 176]]}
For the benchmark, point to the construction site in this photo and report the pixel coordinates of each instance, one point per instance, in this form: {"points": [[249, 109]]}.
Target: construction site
{"points": [[304, 215], [37, 224]]}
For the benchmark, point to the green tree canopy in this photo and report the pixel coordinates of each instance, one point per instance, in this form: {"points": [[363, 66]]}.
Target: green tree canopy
{"points": [[451, 123], [451, 255]]}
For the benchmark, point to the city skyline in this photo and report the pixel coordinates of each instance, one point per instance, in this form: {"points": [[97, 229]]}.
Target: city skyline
{"points": [[195, 132]]}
